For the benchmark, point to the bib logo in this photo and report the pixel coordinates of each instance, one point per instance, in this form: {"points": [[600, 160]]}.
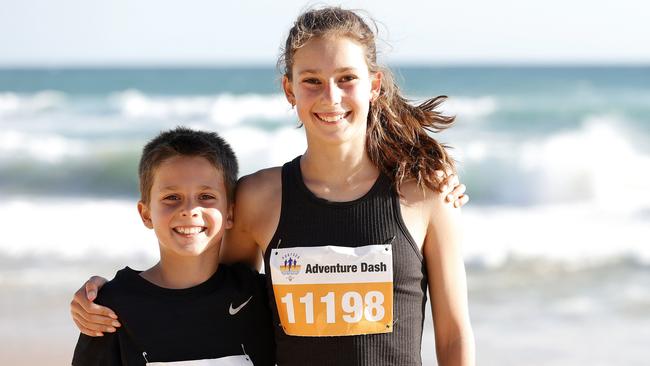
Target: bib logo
{"points": [[291, 266]]}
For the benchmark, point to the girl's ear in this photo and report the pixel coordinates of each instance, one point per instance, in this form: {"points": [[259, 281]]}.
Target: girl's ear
{"points": [[288, 90], [145, 215], [375, 85]]}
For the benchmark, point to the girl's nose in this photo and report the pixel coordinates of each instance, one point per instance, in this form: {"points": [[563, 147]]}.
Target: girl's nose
{"points": [[332, 93]]}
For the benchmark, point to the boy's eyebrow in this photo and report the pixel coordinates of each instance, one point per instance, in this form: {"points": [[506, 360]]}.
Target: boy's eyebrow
{"points": [[173, 188], [316, 71]]}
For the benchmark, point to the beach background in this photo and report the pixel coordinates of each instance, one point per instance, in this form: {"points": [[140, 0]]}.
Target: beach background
{"points": [[555, 153]]}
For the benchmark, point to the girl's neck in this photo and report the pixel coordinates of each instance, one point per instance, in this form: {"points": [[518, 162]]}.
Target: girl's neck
{"points": [[176, 272], [338, 174], [337, 165]]}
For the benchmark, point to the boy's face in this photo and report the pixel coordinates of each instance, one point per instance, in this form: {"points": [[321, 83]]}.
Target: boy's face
{"points": [[189, 208]]}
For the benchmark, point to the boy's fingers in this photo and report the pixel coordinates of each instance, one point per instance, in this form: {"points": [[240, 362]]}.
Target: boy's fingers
{"points": [[461, 201], [456, 193], [448, 183]]}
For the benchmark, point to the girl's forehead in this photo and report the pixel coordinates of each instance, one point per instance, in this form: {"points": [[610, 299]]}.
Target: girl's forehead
{"points": [[328, 54]]}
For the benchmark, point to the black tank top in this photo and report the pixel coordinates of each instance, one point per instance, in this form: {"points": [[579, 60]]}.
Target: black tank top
{"points": [[374, 218]]}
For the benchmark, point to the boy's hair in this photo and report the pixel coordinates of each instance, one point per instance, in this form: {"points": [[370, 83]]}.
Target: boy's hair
{"points": [[397, 139], [186, 142]]}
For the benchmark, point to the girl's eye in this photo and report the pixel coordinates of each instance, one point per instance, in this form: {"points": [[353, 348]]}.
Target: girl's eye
{"points": [[348, 78], [206, 197], [311, 81]]}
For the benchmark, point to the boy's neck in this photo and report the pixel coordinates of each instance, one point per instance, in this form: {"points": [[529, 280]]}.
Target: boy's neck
{"points": [[175, 272]]}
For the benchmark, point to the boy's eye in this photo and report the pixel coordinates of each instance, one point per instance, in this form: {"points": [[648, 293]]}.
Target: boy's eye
{"points": [[348, 78], [171, 197], [206, 196], [311, 81]]}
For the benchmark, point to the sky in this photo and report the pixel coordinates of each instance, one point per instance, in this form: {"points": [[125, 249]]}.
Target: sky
{"points": [[247, 32]]}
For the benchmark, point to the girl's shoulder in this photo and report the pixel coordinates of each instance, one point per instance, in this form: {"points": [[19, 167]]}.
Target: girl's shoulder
{"points": [[260, 183], [415, 195]]}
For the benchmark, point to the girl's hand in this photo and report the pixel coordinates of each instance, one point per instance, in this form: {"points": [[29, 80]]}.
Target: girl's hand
{"points": [[92, 319], [453, 190]]}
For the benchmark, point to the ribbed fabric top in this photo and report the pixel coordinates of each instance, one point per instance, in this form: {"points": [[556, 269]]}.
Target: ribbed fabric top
{"points": [[375, 218]]}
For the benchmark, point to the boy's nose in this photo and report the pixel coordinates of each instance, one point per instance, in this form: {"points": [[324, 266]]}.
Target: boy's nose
{"points": [[190, 209]]}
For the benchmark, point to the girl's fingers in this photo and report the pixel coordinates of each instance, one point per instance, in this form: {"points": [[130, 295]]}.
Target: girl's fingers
{"points": [[95, 317], [92, 286]]}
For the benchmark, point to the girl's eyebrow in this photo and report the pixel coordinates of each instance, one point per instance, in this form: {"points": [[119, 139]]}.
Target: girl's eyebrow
{"points": [[316, 71]]}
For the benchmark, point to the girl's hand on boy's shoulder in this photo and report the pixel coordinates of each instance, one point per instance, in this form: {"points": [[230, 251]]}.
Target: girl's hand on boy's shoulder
{"points": [[92, 319]]}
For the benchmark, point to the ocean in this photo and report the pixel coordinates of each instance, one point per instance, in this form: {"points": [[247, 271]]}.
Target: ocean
{"points": [[556, 161]]}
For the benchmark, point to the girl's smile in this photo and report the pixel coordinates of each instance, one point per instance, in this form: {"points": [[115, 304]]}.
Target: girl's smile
{"points": [[332, 89]]}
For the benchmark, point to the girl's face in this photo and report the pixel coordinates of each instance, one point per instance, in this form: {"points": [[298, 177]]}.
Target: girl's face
{"points": [[332, 89]]}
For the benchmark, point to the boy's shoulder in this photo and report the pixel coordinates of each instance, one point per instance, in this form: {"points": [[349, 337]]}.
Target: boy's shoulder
{"points": [[117, 288], [242, 276]]}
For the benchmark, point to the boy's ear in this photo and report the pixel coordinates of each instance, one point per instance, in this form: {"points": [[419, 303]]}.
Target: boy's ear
{"points": [[228, 222], [145, 215], [288, 90], [375, 85]]}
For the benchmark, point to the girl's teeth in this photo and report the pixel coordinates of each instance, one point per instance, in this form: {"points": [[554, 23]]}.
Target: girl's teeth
{"points": [[331, 118]]}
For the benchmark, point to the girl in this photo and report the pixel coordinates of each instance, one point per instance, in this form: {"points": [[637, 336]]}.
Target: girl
{"points": [[354, 230]]}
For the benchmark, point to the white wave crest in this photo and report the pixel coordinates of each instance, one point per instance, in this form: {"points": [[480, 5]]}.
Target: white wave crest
{"points": [[598, 162], [577, 235], [13, 103], [43, 147], [223, 109], [470, 108], [598, 157]]}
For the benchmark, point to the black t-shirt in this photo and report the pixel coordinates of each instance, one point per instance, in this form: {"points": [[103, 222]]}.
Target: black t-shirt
{"points": [[223, 316]]}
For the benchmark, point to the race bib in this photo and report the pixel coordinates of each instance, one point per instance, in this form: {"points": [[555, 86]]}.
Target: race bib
{"points": [[334, 291], [242, 360]]}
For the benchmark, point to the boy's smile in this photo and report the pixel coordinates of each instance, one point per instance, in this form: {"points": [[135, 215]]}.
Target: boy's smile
{"points": [[189, 209]]}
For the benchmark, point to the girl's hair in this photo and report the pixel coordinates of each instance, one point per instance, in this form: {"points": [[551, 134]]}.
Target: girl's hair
{"points": [[396, 140]]}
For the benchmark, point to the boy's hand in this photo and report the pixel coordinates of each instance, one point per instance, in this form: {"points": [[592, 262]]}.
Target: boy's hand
{"points": [[452, 189], [92, 319]]}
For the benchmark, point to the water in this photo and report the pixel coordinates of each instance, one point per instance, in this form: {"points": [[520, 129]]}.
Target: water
{"points": [[557, 161]]}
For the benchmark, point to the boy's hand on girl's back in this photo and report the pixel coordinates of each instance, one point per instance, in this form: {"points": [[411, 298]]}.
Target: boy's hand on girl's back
{"points": [[92, 319]]}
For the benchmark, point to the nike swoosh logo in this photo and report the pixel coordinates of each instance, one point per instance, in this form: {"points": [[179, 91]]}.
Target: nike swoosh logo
{"points": [[233, 311]]}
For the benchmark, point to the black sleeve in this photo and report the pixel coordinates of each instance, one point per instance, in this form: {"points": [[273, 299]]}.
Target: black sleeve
{"points": [[97, 351], [263, 350]]}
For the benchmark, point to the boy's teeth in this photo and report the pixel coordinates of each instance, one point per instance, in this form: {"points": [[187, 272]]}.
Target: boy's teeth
{"points": [[189, 230]]}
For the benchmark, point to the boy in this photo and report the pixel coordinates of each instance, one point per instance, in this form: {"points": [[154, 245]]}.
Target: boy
{"points": [[187, 307]]}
